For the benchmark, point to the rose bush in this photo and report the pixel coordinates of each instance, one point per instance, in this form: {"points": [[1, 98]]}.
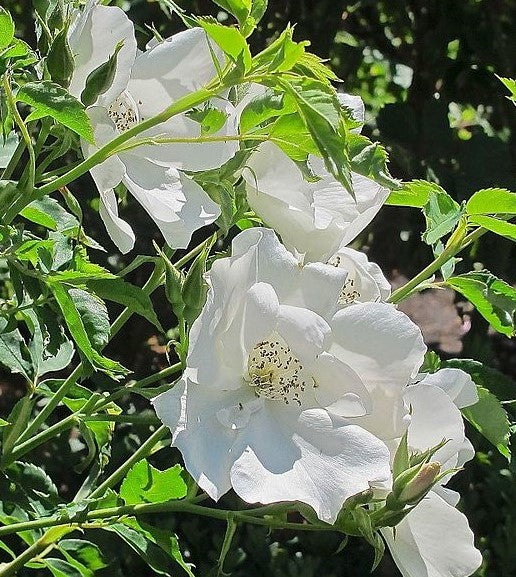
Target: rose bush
{"points": [[297, 384]]}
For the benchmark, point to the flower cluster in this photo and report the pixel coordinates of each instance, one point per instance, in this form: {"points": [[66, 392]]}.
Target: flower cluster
{"points": [[302, 384]]}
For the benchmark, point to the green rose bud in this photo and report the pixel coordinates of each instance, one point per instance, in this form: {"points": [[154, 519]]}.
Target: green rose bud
{"points": [[60, 60], [419, 486], [100, 79]]}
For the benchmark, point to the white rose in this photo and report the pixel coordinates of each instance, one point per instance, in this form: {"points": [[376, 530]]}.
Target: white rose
{"points": [[276, 377], [145, 84]]}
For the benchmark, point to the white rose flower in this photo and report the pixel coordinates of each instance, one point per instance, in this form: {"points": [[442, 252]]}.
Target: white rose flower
{"points": [[145, 84], [434, 539], [312, 218], [276, 377], [317, 220], [365, 281]]}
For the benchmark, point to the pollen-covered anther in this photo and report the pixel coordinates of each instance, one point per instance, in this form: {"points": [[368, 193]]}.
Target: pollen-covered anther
{"points": [[124, 112], [349, 294], [275, 373]]}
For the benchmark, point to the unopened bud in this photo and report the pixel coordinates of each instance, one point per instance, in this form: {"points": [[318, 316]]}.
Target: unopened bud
{"points": [[419, 486], [60, 60], [100, 79]]}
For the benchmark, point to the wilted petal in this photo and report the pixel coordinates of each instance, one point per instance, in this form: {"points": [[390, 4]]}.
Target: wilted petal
{"points": [[93, 39], [434, 540], [307, 457]]}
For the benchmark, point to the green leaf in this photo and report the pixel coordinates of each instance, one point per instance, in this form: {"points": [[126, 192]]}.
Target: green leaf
{"points": [[32, 489], [7, 148], [9, 193], [442, 214], [490, 418], [49, 99], [119, 291], [49, 213], [494, 299], [500, 227], [290, 134], [81, 553], [320, 110], [60, 568], [258, 9], [80, 335], [415, 193], [158, 548], [6, 28], [369, 159], [510, 84], [488, 415], [264, 108], [145, 484], [229, 40], [492, 201], [281, 55], [247, 12], [13, 351], [211, 119], [94, 316], [17, 421]]}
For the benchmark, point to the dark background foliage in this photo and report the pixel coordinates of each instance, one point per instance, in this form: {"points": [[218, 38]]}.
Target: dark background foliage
{"points": [[426, 71]]}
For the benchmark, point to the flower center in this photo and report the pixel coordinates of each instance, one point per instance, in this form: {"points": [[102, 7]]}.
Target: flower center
{"points": [[276, 373], [124, 112], [349, 294]]}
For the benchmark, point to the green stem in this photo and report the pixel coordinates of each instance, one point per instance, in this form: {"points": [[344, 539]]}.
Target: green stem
{"points": [[59, 395], [159, 376], [179, 506], [25, 135], [179, 106], [157, 140], [34, 550], [448, 253], [15, 158], [129, 419], [150, 286], [52, 431]]}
